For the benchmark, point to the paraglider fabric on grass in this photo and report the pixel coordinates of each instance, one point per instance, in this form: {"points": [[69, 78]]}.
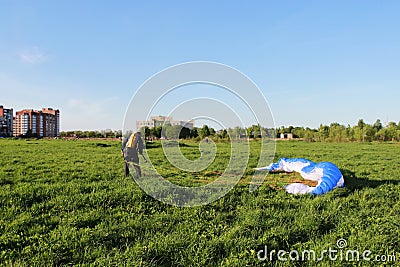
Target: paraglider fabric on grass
{"points": [[326, 174]]}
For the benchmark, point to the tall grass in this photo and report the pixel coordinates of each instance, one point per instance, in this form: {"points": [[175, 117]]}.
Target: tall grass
{"points": [[67, 203]]}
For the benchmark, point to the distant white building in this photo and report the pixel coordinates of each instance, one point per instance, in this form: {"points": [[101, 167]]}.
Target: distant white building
{"points": [[286, 136], [160, 120]]}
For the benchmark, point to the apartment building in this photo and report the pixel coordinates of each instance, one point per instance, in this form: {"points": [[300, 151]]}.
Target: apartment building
{"points": [[6, 122], [160, 120], [40, 123]]}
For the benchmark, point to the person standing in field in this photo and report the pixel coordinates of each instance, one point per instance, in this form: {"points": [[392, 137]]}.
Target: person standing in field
{"points": [[132, 146]]}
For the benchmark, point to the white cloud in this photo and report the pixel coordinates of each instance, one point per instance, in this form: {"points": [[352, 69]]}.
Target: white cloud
{"points": [[32, 55]]}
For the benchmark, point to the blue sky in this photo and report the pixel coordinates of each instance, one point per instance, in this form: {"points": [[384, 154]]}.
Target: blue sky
{"points": [[315, 61]]}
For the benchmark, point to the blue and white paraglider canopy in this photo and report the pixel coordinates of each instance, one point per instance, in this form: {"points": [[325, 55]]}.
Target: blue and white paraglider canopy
{"points": [[326, 174]]}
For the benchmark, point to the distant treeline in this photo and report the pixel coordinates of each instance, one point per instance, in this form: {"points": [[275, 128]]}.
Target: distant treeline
{"points": [[176, 131], [334, 132], [92, 134]]}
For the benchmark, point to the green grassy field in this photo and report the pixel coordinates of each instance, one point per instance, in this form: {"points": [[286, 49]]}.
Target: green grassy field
{"points": [[67, 203]]}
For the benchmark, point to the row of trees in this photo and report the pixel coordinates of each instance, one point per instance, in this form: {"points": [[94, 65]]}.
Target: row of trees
{"points": [[336, 132], [93, 134], [177, 131]]}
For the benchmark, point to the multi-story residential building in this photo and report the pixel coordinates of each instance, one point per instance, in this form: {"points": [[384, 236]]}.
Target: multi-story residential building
{"points": [[41, 123], [51, 122], [160, 120], [6, 122]]}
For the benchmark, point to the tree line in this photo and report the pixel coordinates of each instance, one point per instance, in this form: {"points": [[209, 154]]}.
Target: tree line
{"points": [[92, 134], [176, 131], [334, 132]]}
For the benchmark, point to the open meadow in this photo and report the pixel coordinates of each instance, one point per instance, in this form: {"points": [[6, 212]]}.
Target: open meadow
{"points": [[67, 202]]}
